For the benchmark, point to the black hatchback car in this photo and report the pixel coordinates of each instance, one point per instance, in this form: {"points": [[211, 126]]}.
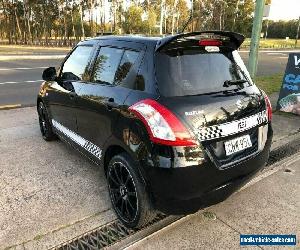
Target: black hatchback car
{"points": [[176, 122]]}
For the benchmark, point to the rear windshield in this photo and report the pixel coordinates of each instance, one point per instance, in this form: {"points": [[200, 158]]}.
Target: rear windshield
{"points": [[194, 71]]}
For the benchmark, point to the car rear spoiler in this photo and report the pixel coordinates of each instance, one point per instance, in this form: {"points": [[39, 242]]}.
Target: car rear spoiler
{"points": [[232, 39]]}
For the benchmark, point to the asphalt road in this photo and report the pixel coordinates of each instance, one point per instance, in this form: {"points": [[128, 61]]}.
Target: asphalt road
{"points": [[20, 78]]}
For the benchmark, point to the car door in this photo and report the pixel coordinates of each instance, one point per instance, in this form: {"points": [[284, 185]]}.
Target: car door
{"points": [[63, 92], [113, 75]]}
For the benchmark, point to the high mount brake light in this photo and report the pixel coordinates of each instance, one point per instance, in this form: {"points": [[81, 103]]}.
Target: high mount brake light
{"points": [[210, 42], [268, 106], [162, 125]]}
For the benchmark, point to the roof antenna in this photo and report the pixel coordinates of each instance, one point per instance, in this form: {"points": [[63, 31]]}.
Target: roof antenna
{"points": [[190, 18]]}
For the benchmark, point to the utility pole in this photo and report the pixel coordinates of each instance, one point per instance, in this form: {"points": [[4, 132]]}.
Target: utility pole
{"points": [[255, 36], [297, 35]]}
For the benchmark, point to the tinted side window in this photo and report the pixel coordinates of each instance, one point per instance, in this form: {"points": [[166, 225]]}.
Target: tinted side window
{"points": [[106, 65], [75, 66], [128, 60]]}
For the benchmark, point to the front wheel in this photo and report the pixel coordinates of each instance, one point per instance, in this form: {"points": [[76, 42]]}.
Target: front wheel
{"points": [[44, 122], [128, 194]]}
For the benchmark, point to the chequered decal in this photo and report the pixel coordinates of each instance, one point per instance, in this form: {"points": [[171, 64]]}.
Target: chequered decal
{"points": [[209, 133], [87, 145], [92, 148], [230, 128]]}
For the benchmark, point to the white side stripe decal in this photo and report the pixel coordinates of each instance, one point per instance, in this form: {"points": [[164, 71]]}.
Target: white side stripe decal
{"points": [[230, 128], [87, 145]]}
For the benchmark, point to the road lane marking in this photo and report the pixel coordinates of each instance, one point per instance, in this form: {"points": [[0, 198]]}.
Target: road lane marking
{"points": [[31, 57], [30, 81], [10, 106], [277, 53], [272, 51], [34, 81], [7, 69]]}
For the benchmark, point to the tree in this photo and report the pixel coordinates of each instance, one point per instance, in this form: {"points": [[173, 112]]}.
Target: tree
{"points": [[133, 19], [235, 15], [148, 25], [27, 21]]}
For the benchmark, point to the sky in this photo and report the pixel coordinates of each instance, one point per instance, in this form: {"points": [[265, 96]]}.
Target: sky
{"points": [[284, 9]]}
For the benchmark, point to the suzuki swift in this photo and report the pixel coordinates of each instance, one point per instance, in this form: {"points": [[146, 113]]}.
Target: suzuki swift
{"points": [[176, 123]]}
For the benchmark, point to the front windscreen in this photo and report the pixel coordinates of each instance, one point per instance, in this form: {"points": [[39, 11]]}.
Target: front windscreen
{"points": [[194, 71]]}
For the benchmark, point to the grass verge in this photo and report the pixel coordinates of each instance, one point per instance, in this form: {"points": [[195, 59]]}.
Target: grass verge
{"points": [[274, 43], [270, 84]]}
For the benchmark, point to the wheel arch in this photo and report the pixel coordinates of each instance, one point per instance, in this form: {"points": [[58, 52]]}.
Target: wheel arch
{"points": [[115, 149], [38, 100], [110, 152]]}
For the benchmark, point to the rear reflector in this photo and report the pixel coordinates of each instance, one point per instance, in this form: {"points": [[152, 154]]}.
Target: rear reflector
{"points": [[210, 42], [162, 125], [269, 107]]}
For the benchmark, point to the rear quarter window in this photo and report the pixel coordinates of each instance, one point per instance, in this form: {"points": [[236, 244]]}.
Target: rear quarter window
{"points": [[114, 65]]}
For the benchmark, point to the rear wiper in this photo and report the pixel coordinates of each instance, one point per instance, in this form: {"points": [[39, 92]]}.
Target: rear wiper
{"points": [[239, 83]]}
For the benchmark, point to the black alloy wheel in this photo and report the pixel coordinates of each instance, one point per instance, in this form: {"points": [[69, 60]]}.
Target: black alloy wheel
{"points": [[127, 192], [123, 191], [45, 125]]}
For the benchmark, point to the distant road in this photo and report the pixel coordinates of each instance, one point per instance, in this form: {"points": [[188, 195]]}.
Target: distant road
{"points": [[20, 78], [269, 61]]}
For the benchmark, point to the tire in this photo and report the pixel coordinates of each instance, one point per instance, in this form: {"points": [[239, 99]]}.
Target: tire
{"points": [[128, 194], [44, 122]]}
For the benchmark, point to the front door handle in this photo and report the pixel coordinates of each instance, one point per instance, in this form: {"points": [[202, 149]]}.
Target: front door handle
{"points": [[72, 95]]}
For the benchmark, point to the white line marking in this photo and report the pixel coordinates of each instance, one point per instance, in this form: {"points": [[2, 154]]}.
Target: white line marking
{"points": [[31, 57], [7, 69], [283, 57], [31, 81], [35, 81], [272, 51], [276, 53]]}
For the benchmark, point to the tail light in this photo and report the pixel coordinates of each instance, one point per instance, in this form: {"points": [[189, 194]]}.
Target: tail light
{"points": [[162, 125], [210, 42], [268, 106]]}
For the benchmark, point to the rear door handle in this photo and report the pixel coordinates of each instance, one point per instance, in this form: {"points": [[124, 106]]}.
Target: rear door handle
{"points": [[110, 103], [72, 95]]}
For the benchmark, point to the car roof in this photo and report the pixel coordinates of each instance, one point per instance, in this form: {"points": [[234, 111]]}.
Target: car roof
{"points": [[126, 38], [235, 39]]}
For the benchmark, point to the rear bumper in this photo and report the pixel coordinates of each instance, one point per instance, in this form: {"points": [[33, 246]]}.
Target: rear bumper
{"points": [[185, 190]]}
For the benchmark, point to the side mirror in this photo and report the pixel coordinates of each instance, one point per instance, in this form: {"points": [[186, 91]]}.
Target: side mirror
{"points": [[49, 74]]}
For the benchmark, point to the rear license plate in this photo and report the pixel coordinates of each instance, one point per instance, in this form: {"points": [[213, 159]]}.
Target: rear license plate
{"points": [[237, 145]]}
